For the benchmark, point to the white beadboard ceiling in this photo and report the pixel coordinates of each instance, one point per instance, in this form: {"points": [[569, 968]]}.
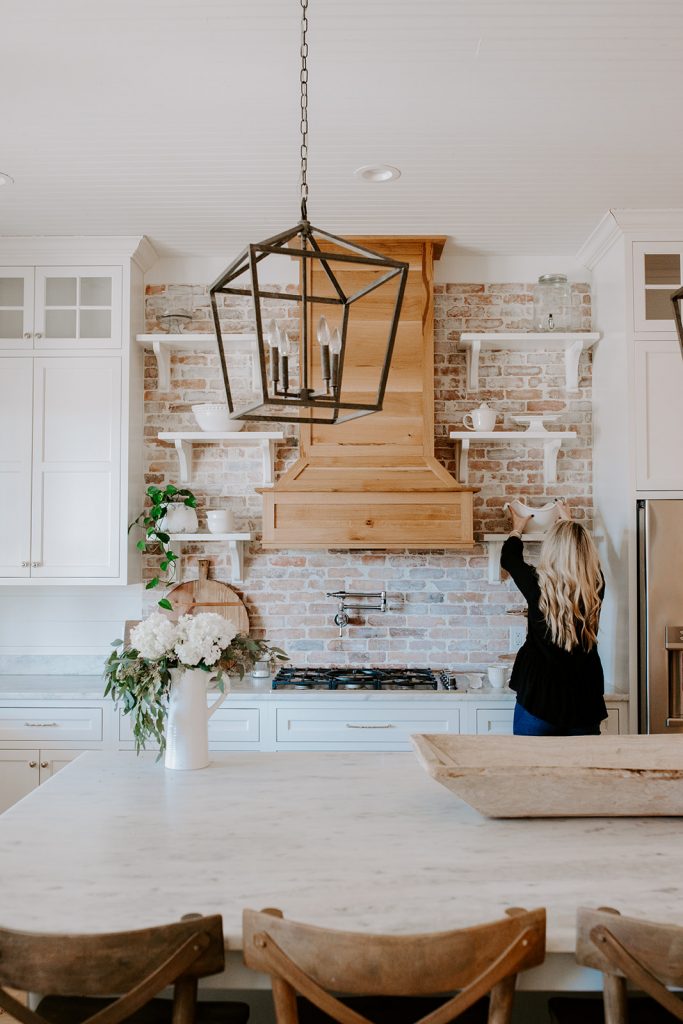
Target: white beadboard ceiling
{"points": [[516, 123]]}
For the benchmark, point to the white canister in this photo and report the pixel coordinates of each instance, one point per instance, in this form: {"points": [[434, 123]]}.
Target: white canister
{"points": [[481, 418], [220, 520], [179, 518], [497, 675]]}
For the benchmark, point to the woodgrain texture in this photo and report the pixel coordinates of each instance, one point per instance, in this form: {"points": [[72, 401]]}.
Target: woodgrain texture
{"points": [[205, 595], [390, 490], [559, 777]]}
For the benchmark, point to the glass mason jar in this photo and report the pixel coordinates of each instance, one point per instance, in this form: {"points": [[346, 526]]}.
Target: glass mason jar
{"points": [[552, 303]]}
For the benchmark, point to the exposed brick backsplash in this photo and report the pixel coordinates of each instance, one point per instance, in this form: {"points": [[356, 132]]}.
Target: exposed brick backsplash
{"points": [[442, 609]]}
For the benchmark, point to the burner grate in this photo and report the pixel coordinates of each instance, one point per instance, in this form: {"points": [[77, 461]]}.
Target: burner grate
{"points": [[348, 678]]}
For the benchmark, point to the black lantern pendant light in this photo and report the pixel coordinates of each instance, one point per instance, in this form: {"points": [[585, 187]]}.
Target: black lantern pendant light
{"points": [[306, 337]]}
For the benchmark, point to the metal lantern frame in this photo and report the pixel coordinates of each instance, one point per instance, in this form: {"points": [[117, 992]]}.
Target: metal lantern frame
{"points": [[305, 404], [677, 299], [301, 242]]}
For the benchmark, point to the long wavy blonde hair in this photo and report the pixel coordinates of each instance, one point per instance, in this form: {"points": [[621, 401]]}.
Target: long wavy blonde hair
{"points": [[570, 580]]}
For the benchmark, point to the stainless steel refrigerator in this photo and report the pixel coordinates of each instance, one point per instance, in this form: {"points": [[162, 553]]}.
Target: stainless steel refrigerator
{"points": [[660, 615]]}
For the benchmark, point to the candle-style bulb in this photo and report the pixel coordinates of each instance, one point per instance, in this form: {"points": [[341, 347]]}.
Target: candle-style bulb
{"points": [[335, 341], [323, 331]]}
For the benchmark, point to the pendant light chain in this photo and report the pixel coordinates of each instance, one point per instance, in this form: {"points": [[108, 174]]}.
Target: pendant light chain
{"points": [[303, 125]]}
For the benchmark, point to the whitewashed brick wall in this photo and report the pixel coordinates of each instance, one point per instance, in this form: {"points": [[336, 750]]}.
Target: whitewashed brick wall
{"points": [[443, 611]]}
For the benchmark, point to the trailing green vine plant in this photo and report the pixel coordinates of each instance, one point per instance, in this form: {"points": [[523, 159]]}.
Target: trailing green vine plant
{"points": [[150, 520]]}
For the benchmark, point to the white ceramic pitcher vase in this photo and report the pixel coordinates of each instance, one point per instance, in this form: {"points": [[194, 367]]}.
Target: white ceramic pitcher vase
{"points": [[187, 725]]}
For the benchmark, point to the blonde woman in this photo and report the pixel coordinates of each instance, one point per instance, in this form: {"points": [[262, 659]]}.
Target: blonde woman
{"points": [[557, 673]]}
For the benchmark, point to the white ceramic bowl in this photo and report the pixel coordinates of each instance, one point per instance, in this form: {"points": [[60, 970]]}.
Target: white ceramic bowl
{"points": [[214, 416], [544, 516]]}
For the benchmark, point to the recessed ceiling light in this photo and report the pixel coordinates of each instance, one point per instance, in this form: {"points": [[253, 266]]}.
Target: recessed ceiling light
{"points": [[6, 179], [377, 172]]}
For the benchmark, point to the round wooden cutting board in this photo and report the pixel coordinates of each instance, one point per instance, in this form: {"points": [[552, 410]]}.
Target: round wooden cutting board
{"points": [[205, 595]]}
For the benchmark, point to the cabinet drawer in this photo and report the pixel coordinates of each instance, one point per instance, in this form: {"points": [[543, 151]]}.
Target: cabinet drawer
{"points": [[494, 721], [227, 726], [363, 724], [41, 726]]}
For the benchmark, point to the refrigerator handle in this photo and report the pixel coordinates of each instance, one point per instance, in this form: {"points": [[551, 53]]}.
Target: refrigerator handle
{"points": [[673, 642]]}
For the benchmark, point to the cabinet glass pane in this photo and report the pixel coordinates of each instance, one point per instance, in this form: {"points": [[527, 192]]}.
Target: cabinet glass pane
{"points": [[11, 291], [95, 291], [95, 323], [663, 268], [60, 291], [60, 323], [658, 305], [11, 323]]}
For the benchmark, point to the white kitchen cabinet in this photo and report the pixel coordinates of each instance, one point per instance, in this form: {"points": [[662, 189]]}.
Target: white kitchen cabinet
{"points": [[657, 273], [493, 720], [22, 770], [230, 728], [658, 379], [16, 440], [16, 307], [69, 309], [60, 307], [361, 726], [76, 468]]}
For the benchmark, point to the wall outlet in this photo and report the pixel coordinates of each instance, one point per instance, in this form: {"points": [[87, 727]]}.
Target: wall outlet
{"points": [[517, 637]]}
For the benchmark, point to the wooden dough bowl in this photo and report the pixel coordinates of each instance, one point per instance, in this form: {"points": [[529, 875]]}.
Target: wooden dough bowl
{"points": [[559, 777]]}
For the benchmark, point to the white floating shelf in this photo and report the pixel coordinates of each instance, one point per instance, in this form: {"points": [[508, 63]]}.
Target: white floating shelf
{"points": [[186, 439], [551, 440], [571, 343], [494, 543], [163, 344], [235, 543]]}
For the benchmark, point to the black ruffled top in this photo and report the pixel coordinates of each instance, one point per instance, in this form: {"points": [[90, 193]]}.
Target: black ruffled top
{"points": [[562, 687]]}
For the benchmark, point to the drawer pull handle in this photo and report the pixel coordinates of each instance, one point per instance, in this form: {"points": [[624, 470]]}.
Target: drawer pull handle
{"points": [[353, 725], [33, 764], [44, 764], [42, 725]]}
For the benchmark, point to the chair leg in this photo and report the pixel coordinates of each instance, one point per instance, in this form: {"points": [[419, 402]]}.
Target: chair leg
{"points": [[501, 1000], [184, 1001], [615, 999]]}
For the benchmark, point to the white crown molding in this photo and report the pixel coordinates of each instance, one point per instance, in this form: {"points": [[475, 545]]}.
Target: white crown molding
{"points": [[600, 241], [79, 247], [638, 225]]}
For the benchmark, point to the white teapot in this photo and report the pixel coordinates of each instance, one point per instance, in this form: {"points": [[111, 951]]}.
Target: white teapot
{"points": [[483, 418]]}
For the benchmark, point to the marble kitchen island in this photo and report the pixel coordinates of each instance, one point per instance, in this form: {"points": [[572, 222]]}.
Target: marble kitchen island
{"points": [[349, 840]]}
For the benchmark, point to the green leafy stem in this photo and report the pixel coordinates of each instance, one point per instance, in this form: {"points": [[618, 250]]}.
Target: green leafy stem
{"points": [[150, 520]]}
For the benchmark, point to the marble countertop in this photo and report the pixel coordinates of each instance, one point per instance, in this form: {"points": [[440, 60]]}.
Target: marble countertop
{"points": [[73, 687], [347, 840]]}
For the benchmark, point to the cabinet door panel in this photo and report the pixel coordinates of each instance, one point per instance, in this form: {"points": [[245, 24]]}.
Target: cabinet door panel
{"points": [[362, 725], [76, 468], [657, 273], [494, 721], [16, 430], [51, 761], [19, 774], [16, 307], [659, 415], [78, 307], [611, 725]]}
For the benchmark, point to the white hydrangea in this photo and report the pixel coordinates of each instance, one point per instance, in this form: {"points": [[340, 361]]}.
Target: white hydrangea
{"points": [[154, 637], [203, 638]]}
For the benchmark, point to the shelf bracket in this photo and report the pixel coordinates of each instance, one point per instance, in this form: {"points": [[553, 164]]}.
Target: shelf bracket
{"points": [[472, 362], [163, 357], [462, 448], [268, 456], [236, 553], [494, 547], [185, 458], [550, 450], [572, 354]]}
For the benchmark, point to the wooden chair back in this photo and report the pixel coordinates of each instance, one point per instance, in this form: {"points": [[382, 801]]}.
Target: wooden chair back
{"points": [[315, 962], [648, 955], [138, 964]]}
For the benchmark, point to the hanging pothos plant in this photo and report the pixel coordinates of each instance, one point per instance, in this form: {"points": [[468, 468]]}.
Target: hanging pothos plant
{"points": [[151, 520]]}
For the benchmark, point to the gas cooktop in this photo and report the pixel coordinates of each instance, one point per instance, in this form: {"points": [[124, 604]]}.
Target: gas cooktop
{"points": [[346, 678]]}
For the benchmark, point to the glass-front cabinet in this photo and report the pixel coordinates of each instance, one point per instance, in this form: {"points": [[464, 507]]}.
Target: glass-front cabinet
{"points": [[657, 274], [60, 307]]}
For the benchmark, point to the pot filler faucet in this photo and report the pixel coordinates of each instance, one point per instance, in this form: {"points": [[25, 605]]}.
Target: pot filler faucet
{"points": [[348, 602]]}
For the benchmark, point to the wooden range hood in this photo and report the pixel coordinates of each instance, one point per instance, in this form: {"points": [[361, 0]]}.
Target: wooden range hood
{"points": [[374, 482]]}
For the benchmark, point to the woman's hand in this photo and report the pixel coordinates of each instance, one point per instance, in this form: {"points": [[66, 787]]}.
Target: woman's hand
{"points": [[518, 522], [562, 510]]}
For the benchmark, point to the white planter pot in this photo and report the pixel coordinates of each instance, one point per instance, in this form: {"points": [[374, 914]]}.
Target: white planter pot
{"points": [[187, 726], [180, 518]]}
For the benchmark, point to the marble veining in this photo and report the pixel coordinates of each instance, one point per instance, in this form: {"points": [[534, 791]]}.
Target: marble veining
{"points": [[351, 840]]}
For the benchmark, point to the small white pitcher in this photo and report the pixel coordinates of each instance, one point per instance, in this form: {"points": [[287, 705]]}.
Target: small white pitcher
{"points": [[187, 726]]}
